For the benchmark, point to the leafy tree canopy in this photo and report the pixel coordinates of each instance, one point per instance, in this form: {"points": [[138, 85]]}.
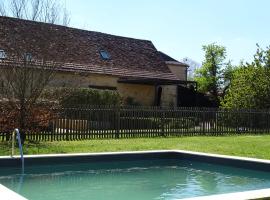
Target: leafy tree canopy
{"points": [[250, 84], [213, 76]]}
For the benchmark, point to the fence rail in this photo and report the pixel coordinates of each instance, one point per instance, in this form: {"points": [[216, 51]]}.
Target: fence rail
{"points": [[126, 122]]}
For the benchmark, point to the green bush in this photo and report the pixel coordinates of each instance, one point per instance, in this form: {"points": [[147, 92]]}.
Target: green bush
{"points": [[90, 97], [244, 119], [180, 123], [130, 101], [139, 123]]}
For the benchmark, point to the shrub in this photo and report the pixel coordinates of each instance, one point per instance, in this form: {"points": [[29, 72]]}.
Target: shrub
{"points": [[37, 118], [77, 97], [180, 123], [130, 101]]}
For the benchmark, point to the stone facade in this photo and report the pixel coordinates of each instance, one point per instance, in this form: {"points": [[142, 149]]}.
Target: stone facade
{"points": [[83, 65], [143, 94], [179, 70]]}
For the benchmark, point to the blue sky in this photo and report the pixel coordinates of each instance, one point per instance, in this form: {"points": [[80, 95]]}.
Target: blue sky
{"points": [[180, 27]]}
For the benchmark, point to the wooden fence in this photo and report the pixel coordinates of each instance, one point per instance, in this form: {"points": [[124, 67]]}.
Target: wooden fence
{"points": [[128, 122]]}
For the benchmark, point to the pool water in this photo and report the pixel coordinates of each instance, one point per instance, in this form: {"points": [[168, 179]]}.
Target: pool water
{"points": [[122, 180]]}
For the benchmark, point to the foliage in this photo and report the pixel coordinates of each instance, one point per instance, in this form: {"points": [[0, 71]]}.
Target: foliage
{"points": [[227, 78], [23, 83], [85, 96], [261, 58], [130, 101], [36, 120], [250, 85], [28, 69], [210, 76], [55, 94], [182, 123], [139, 123]]}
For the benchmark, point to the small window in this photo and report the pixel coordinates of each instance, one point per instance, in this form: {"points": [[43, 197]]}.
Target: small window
{"points": [[2, 54], [104, 55], [28, 57]]}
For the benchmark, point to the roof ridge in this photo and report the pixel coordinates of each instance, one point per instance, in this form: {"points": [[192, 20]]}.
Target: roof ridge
{"points": [[81, 46], [71, 28]]}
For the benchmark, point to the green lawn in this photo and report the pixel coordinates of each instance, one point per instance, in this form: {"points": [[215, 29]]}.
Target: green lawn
{"points": [[248, 146]]}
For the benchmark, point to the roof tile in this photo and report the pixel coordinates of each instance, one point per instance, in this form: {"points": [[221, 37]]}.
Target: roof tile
{"points": [[81, 48]]}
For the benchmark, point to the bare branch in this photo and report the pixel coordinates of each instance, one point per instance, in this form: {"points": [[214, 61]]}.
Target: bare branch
{"points": [[49, 11], [36, 6], [53, 13], [23, 79], [45, 11], [18, 8], [2, 9], [66, 17]]}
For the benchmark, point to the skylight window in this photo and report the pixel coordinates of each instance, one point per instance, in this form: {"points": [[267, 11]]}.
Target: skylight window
{"points": [[104, 55], [28, 57], [2, 54]]}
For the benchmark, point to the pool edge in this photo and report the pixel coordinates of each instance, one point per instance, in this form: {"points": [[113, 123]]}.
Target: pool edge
{"points": [[214, 158], [142, 152], [7, 194], [262, 194]]}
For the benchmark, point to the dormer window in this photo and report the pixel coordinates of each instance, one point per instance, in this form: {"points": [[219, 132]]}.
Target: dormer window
{"points": [[2, 54], [104, 55], [28, 57]]}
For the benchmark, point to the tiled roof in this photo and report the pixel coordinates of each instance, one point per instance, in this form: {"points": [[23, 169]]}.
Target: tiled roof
{"points": [[168, 58], [128, 56]]}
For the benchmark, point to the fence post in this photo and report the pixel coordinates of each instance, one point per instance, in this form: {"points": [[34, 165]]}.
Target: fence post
{"points": [[8, 134], [203, 116], [162, 122], [117, 113], [67, 125]]}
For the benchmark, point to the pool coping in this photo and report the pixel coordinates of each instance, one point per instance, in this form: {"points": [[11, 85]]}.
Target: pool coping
{"points": [[237, 161], [7, 194], [248, 195], [141, 152]]}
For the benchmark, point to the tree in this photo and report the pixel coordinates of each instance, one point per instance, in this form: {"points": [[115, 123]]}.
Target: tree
{"points": [[261, 58], [226, 77], [25, 73], [250, 86], [28, 68], [49, 11], [193, 66], [211, 76], [24, 80]]}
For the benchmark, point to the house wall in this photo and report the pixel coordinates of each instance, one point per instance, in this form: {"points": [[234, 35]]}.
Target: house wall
{"points": [[169, 95], [179, 70], [69, 79], [143, 94]]}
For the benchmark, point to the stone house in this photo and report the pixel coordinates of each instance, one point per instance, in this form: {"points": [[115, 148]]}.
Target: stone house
{"points": [[133, 67]]}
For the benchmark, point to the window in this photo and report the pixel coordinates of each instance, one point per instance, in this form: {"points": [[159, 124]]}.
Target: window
{"points": [[2, 54], [102, 87], [104, 55], [28, 57]]}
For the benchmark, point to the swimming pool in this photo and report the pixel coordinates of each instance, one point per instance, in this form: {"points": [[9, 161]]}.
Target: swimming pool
{"points": [[164, 175]]}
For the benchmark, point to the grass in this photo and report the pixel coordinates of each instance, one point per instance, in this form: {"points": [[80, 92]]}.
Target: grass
{"points": [[247, 146]]}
